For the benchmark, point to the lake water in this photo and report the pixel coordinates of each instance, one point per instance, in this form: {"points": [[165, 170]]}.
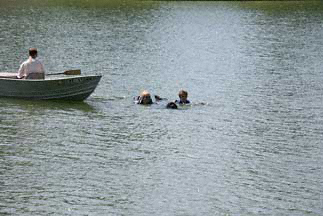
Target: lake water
{"points": [[250, 143]]}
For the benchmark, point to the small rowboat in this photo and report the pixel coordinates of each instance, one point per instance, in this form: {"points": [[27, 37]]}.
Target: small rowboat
{"points": [[78, 87]]}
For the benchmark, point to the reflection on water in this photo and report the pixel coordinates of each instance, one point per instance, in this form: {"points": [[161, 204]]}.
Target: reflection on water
{"points": [[250, 143], [42, 105]]}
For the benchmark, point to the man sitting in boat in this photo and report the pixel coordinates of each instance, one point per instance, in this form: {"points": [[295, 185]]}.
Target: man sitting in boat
{"points": [[32, 68]]}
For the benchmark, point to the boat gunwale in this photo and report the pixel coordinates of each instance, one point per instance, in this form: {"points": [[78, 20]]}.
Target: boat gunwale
{"points": [[53, 78]]}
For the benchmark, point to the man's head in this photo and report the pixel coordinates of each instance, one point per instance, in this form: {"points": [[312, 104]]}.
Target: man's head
{"points": [[33, 52], [145, 98], [182, 95]]}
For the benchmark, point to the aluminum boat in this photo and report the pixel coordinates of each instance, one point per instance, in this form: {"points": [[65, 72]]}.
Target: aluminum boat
{"points": [[77, 87]]}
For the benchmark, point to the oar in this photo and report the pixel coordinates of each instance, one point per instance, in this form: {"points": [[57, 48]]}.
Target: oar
{"points": [[68, 72]]}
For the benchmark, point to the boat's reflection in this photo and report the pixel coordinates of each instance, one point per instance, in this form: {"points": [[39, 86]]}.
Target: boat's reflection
{"points": [[38, 105]]}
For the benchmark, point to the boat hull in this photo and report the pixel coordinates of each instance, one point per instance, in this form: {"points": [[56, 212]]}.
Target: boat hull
{"points": [[64, 88]]}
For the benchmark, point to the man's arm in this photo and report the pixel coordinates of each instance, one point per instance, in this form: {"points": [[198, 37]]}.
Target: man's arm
{"points": [[21, 72]]}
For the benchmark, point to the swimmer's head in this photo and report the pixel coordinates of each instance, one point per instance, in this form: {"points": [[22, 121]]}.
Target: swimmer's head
{"points": [[145, 98], [182, 94]]}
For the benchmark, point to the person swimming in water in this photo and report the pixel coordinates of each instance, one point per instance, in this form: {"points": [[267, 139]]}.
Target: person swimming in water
{"points": [[182, 97], [144, 98]]}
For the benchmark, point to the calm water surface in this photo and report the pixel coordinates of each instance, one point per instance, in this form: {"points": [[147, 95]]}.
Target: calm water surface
{"points": [[250, 143]]}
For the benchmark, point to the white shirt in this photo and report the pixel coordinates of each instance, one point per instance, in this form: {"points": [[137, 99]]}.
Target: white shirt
{"points": [[30, 66]]}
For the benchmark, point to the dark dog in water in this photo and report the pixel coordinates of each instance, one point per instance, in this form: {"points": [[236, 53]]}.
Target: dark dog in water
{"points": [[171, 105]]}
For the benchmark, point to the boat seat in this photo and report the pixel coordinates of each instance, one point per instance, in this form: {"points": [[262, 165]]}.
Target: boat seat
{"points": [[36, 76]]}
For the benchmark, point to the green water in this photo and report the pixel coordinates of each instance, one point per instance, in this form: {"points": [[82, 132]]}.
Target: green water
{"points": [[250, 143]]}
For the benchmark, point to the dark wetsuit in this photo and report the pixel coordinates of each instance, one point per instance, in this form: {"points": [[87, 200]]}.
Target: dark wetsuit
{"points": [[182, 102]]}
